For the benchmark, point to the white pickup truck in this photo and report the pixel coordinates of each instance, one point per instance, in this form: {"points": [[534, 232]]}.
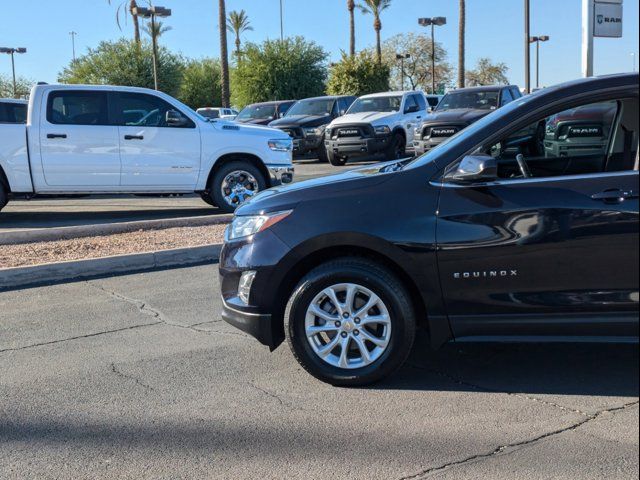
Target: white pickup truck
{"points": [[377, 123], [121, 140]]}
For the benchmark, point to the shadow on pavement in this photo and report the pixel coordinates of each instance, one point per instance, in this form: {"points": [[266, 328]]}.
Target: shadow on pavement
{"points": [[554, 368]]}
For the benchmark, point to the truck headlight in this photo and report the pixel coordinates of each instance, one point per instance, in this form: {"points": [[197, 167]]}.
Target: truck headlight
{"points": [[245, 226], [281, 145], [382, 130], [316, 131]]}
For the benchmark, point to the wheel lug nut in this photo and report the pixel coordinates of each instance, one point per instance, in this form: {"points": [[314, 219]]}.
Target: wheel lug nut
{"points": [[345, 315], [357, 320], [343, 334], [338, 324], [356, 332]]}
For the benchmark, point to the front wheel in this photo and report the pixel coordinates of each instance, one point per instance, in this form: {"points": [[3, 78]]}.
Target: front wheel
{"points": [[350, 322], [336, 160], [397, 148], [235, 183], [4, 197]]}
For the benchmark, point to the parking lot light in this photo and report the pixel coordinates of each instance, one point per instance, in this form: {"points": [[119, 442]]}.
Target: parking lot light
{"points": [[401, 57], [537, 40], [153, 12], [12, 51], [433, 22]]}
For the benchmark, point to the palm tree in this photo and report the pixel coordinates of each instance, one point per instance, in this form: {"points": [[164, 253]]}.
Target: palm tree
{"points": [[132, 5], [375, 8], [224, 56], [461, 28], [238, 23], [155, 30], [351, 5]]}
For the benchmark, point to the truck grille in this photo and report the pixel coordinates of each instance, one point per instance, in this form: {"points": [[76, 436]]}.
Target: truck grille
{"points": [[293, 132], [354, 131], [440, 131]]}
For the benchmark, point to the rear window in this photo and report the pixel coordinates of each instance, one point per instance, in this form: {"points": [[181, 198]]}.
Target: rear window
{"points": [[69, 107], [13, 112]]}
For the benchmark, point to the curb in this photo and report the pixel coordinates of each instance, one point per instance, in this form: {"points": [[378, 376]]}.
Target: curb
{"points": [[20, 277], [61, 233]]}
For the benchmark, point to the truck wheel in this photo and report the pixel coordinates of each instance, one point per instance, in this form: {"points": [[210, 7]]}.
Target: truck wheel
{"points": [[350, 322], [206, 198], [322, 154], [335, 160], [397, 148], [235, 183], [4, 197]]}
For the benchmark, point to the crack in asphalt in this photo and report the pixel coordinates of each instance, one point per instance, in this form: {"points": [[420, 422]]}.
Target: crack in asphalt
{"points": [[139, 382], [146, 309], [513, 447], [79, 337], [480, 388]]}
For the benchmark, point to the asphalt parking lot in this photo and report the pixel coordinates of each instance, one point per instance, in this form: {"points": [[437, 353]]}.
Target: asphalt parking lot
{"points": [[137, 377], [42, 213]]}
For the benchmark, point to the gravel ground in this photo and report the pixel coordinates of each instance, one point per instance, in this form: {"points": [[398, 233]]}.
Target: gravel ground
{"points": [[103, 246]]}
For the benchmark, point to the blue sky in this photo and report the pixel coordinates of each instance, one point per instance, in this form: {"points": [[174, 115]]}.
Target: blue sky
{"points": [[494, 29]]}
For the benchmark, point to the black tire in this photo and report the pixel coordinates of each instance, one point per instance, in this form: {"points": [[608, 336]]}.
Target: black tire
{"points": [[206, 198], [4, 196], [378, 280], [336, 160], [215, 187], [397, 148], [322, 154]]}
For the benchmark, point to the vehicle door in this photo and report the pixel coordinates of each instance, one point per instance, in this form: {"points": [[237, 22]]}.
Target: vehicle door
{"points": [[78, 143], [162, 149], [550, 243], [412, 116]]}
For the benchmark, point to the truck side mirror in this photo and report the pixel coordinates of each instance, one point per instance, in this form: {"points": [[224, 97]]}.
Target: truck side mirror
{"points": [[475, 168], [173, 118]]}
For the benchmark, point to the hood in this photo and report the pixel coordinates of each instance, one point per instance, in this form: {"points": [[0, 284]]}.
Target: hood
{"points": [[255, 121], [285, 197], [457, 115], [247, 129], [363, 117], [301, 121]]}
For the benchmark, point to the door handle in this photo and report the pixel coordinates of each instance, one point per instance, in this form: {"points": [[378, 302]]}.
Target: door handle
{"points": [[419, 117], [614, 196], [134, 137], [56, 135]]}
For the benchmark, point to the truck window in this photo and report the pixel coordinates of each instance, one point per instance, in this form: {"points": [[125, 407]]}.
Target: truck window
{"points": [[77, 107], [143, 110], [13, 112], [422, 104], [506, 97]]}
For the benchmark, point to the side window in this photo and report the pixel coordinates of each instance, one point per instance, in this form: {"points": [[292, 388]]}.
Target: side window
{"points": [[77, 107], [142, 110], [585, 139], [285, 107], [344, 104], [422, 104], [516, 93], [410, 104], [13, 112], [433, 102], [506, 97]]}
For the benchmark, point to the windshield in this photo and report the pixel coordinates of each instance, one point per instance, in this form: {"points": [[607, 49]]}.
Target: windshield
{"points": [[376, 104], [312, 107], [455, 140], [257, 112], [209, 112], [486, 100]]}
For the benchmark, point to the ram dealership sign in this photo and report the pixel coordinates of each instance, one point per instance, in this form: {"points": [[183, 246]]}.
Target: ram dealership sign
{"points": [[607, 19]]}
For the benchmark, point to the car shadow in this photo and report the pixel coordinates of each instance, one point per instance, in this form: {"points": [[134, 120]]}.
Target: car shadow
{"points": [[531, 368]]}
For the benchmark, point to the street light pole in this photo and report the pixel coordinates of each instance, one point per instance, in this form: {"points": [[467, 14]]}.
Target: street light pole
{"points": [[433, 22], [401, 57], [73, 43], [152, 13], [12, 51], [281, 23], [537, 40]]}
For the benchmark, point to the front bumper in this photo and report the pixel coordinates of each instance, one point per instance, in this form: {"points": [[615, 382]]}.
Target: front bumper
{"points": [[258, 325], [280, 174], [423, 145], [343, 146], [306, 144]]}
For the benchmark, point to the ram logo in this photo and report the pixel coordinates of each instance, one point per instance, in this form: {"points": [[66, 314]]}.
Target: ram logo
{"points": [[443, 132], [349, 131]]}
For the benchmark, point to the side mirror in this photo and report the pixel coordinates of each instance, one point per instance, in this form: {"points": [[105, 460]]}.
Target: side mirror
{"points": [[173, 118], [342, 112], [475, 168], [412, 109]]}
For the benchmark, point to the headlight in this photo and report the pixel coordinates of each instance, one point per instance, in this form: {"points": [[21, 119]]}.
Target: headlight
{"points": [[314, 131], [245, 226], [382, 130], [281, 145]]}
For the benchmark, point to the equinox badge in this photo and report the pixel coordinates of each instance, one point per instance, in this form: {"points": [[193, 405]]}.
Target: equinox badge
{"points": [[486, 274]]}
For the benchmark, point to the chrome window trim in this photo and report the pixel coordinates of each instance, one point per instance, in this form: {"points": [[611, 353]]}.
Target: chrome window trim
{"points": [[559, 178]]}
